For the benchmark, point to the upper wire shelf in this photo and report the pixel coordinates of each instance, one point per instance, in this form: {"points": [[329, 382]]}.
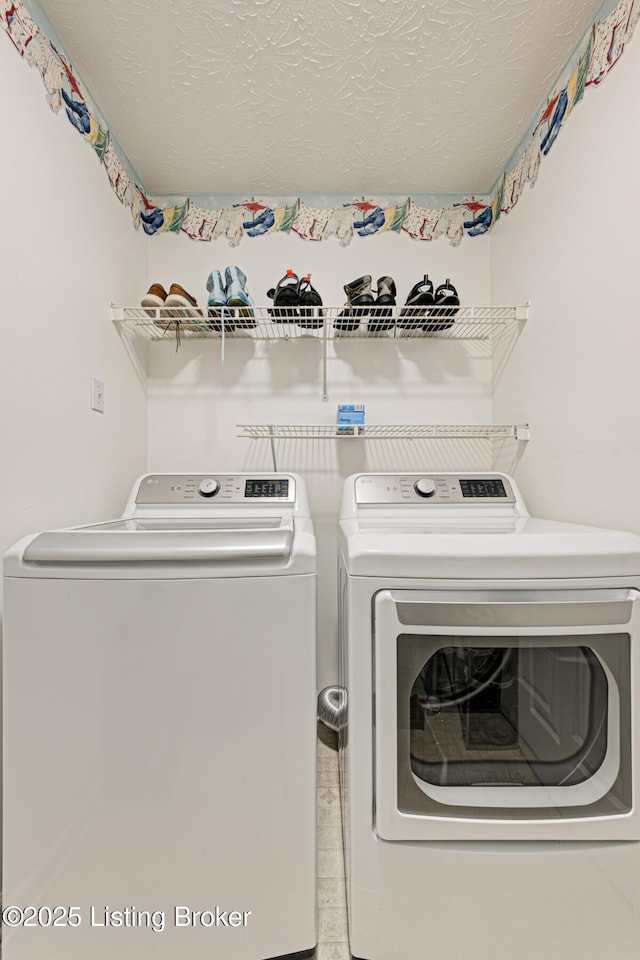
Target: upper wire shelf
{"points": [[320, 323]]}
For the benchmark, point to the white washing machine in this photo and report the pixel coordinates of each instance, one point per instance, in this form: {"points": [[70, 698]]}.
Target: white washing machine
{"points": [[159, 728], [489, 759]]}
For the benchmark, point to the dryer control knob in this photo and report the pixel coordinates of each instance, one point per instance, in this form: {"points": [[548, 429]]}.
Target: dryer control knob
{"points": [[424, 487], [208, 488]]}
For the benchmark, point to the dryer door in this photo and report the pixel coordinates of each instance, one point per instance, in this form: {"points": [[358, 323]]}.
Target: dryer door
{"points": [[504, 714]]}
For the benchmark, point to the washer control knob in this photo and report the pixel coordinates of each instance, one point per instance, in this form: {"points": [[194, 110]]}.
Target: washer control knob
{"points": [[424, 487], [208, 488]]}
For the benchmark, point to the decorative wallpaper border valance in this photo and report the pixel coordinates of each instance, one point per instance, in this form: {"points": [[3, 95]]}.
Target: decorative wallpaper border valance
{"points": [[421, 218]]}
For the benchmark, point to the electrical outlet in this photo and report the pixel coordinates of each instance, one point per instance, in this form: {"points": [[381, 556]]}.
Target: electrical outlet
{"points": [[97, 395]]}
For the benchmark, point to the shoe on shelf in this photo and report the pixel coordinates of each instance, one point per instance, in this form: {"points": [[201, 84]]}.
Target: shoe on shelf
{"points": [[286, 298], [216, 303], [382, 314], [309, 299], [154, 298], [238, 296], [447, 303], [420, 296], [181, 304], [359, 300]]}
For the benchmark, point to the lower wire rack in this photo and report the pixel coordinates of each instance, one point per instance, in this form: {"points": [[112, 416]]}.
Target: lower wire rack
{"points": [[323, 431]]}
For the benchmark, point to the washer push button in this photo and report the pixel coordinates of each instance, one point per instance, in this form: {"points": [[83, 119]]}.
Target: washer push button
{"points": [[424, 487], [208, 488]]}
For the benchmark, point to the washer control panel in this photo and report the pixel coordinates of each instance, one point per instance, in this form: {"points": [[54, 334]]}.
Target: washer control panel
{"points": [[200, 489], [437, 488]]}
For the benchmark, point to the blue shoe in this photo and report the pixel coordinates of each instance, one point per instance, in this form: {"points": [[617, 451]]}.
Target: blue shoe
{"points": [[238, 296], [217, 302]]}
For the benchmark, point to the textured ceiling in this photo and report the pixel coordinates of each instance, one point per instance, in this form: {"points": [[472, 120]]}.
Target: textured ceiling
{"points": [[214, 97]]}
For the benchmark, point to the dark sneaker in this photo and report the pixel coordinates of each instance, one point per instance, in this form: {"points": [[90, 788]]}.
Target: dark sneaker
{"points": [[359, 302], [420, 296], [382, 314], [286, 298], [442, 315], [310, 317]]}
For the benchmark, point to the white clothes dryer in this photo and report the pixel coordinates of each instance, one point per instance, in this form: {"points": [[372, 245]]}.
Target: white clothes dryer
{"points": [[489, 757], [159, 728]]}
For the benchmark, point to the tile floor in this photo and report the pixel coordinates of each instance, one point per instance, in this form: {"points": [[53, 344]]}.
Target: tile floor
{"points": [[333, 941]]}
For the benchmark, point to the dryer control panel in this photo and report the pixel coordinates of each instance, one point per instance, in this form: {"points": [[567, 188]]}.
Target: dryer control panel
{"points": [[436, 488], [200, 489]]}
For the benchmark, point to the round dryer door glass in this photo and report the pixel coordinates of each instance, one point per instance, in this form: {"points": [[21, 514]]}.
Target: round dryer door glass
{"points": [[509, 716], [525, 723]]}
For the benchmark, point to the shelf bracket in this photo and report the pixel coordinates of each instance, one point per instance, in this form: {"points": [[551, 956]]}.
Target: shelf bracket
{"points": [[325, 351], [273, 448]]}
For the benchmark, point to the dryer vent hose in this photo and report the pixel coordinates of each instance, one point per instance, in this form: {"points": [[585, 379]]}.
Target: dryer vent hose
{"points": [[332, 707]]}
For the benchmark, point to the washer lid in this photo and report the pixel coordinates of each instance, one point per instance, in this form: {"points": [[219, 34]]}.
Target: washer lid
{"points": [[153, 540], [487, 549], [169, 548]]}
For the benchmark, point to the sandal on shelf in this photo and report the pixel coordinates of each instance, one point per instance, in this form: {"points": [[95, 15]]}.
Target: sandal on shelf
{"points": [[309, 299], [382, 313], [286, 299], [358, 305], [420, 296], [447, 303]]}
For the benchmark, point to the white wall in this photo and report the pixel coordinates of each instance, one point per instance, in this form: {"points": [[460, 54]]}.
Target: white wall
{"points": [[195, 402], [568, 246], [571, 246], [67, 247]]}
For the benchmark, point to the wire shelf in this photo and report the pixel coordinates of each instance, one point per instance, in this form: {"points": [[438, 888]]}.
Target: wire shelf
{"points": [[324, 325], [319, 323], [331, 431]]}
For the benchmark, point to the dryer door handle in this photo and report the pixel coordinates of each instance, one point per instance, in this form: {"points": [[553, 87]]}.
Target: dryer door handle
{"points": [[531, 609]]}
